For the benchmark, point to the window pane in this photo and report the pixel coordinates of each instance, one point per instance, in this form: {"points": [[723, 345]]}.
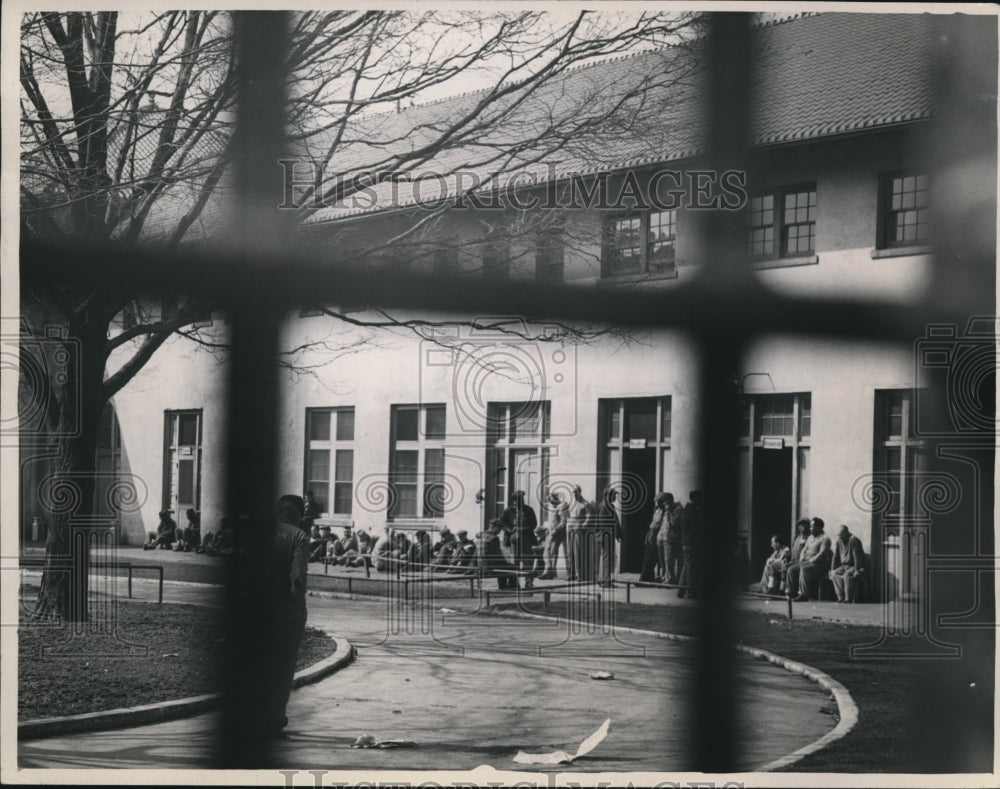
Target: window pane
{"points": [[319, 426], [434, 463], [344, 469], [185, 482], [406, 424], [404, 465], [345, 424], [524, 421], [615, 422], [320, 491], [435, 421], [404, 501], [342, 498], [662, 237], [319, 465], [641, 420], [187, 433], [666, 418], [805, 416]]}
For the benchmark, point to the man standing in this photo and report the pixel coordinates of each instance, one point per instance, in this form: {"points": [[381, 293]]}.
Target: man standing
{"points": [[691, 520], [815, 561], [558, 512], [668, 540], [520, 521], [608, 531], [274, 564], [849, 561], [578, 518]]}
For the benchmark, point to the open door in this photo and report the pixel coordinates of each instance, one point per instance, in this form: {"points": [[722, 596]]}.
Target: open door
{"points": [[772, 502]]}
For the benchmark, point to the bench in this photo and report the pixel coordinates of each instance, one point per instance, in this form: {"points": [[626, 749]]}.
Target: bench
{"points": [[66, 564], [656, 585]]}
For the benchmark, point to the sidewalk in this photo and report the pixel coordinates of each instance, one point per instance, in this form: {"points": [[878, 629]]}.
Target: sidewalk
{"points": [[209, 569]]}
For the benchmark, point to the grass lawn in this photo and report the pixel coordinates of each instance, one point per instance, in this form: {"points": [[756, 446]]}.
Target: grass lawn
{"points": [[921, 716], [157, 653]]}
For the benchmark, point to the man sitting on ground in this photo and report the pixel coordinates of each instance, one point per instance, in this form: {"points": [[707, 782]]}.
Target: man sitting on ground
{"points": [[849, 562], [166, 532], [381, 552], [342, 546], [189, 538], [419, 555], [317, 544]]}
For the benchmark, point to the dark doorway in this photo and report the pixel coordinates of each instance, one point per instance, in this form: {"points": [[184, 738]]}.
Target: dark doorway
{"points": [[772, 503], [639, 479]]}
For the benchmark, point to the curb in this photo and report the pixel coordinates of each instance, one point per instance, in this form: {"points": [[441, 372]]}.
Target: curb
{"points": [[846, 708], [125, 717]]}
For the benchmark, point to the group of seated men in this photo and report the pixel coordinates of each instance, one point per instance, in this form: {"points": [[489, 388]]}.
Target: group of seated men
{"points": [[170, 536], [451, 552], [797, 570]]}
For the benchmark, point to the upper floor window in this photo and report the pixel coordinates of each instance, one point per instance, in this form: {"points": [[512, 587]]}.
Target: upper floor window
{"points": [[496, 260], [639, 243], [549, 261], [906, 210], [330, 458], [782, 223]]}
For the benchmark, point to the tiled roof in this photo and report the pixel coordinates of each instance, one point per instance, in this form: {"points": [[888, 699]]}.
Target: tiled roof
{"points": [[819, 75]]}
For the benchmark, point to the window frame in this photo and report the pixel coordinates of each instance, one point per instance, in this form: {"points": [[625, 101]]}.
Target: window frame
{"points": [[609, 250], [884, 240], [332, 445], [421, 445], [779, 249]]}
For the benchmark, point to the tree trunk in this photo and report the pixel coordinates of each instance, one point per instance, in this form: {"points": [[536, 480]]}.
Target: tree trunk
{"points": [[68, 492]]}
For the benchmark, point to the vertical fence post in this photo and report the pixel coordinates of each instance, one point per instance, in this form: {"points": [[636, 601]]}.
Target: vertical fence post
{"points": [[722, 254], [252, 435]]}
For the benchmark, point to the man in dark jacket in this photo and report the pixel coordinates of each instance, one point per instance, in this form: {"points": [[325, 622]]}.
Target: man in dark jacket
{"points": [[520, 521], [691, 523], [491, 556], [849, 562], [273, 566]]}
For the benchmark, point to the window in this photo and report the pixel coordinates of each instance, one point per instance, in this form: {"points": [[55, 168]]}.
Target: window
{"points": [[783, 223], [496, 260], [518, 455], [906, 209], [330, 459], [640, 243], [549, 258], [182, 461], [897, 452], [416, 462]]}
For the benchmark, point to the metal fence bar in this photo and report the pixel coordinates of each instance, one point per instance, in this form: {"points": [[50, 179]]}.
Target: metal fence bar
{"points": [[722, 253], [252, 408]]}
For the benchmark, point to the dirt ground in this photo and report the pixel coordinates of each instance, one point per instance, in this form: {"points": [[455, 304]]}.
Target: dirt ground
{"points": [[156, 653]]}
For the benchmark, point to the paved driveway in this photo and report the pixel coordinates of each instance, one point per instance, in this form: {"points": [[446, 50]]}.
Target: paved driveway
{"points": [[473, 690]]}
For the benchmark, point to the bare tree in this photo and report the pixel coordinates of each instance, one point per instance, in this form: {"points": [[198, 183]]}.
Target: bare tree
{"points": [[126, 129]]}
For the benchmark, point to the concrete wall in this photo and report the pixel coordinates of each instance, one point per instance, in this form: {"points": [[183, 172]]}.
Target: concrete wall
{"points": [[372, 370]]}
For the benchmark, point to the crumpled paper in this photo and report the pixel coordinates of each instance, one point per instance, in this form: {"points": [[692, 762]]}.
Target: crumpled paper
{"points": [[602, 675], [369, 741], [561, 757]]}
